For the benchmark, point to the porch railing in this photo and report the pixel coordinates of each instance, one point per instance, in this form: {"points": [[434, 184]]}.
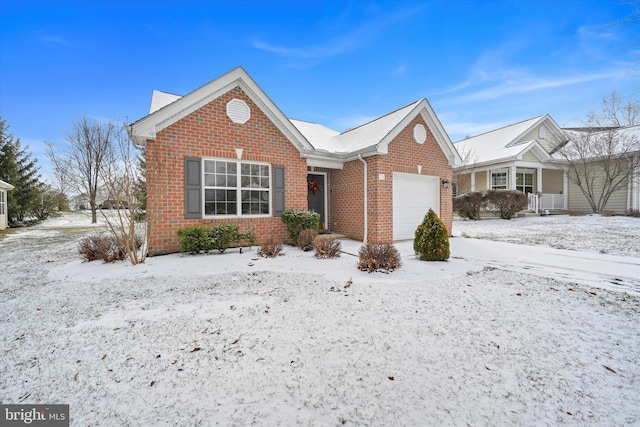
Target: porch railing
{"points": [[543, 202]]}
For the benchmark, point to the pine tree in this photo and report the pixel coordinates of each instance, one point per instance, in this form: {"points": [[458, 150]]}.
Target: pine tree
{"points": [[432, 239], [20, 170]]}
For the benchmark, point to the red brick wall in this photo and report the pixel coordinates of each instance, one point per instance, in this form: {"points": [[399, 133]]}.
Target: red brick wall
{"points": [[208, 132], [347, 199]]}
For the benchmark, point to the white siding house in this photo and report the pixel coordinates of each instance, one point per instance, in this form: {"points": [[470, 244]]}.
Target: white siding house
{"points": [[4, 187]]}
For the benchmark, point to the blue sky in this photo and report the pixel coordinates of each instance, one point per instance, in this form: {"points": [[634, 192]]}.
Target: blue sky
{"points": [[481, 64]]}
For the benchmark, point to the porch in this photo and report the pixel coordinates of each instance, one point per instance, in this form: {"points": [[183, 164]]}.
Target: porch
{"points": [[546, 202]]}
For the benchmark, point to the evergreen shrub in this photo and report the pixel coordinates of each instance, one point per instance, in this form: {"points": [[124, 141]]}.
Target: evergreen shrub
{"points": [[297, 220], [431, 241]]}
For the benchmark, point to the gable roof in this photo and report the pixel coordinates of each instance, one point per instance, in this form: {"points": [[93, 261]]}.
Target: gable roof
{"points": [[319, 144], [510, 142], [6, 185], [180, 107]]}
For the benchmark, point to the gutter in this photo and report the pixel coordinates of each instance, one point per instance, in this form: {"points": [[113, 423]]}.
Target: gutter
{"points": [[366, 201]]}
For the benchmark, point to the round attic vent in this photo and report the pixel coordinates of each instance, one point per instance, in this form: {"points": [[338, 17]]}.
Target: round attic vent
{"points": [[419, 134], [238, 111]]}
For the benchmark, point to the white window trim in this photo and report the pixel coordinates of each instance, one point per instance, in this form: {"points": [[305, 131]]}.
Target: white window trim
{"points": [[2, 203], [506, 176], [238, 188], [524, 185]]}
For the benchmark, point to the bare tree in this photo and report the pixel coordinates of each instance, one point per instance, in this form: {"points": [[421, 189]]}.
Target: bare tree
{"points": [[604, 154], [462, 174], [89, 149], [122, 180]]}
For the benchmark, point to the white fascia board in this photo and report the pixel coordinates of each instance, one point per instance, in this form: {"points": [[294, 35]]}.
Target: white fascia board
{"points": [[319, 162], [149, 126], [537, 150], [6, 185]]}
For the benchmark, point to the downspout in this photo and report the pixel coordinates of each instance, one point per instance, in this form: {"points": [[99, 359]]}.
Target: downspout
{"points": [[366, 201]]}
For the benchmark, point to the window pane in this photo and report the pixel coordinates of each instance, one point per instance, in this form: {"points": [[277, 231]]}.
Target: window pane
{"points": [[264, 182], [232, 195], [209, 195], [232, 180], [209, 208], [245, 181], [255, 169], [264, 170], [232, 168], [528, 179], [245, 169], [209, 180], [221, 167], [209, 166]]}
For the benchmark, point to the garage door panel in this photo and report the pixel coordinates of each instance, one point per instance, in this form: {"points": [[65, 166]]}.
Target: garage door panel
{"points": [[413, 196]]}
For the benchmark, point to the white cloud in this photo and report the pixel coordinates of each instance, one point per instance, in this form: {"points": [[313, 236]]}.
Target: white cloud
{"points": [[54, 40]]}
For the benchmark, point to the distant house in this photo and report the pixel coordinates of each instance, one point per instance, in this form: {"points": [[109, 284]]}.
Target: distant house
{"points": [[4, 215], [517, 157], [225, 153], [524, 156]]}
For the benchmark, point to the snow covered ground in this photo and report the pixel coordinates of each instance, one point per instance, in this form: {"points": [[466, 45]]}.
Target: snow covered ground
{"points": [[235, 339], [615, 235]]}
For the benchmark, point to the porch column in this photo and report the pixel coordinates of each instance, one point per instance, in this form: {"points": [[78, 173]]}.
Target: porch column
{"points": [[488, 173], [512, 178], [473, 180], [539, 180], [565, 188]]}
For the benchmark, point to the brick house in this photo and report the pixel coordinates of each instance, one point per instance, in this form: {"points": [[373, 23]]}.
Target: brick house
{"points": [[225, 153]]}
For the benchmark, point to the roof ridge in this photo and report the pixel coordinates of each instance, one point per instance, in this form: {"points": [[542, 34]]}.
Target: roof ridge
{"points": [[501, 128]]}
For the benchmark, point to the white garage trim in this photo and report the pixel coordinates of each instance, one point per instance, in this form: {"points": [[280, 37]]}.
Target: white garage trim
{"points": [[413, 196]]}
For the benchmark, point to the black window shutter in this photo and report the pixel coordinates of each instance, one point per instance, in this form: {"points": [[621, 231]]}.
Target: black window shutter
{"points": [[192, 188], [278, 190]]}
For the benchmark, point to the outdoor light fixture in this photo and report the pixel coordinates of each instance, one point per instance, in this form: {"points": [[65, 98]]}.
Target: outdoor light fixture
{"points": [[445, 183]]}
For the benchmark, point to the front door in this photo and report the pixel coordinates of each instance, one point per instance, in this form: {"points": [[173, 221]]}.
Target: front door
{"points": [[316, 196]]}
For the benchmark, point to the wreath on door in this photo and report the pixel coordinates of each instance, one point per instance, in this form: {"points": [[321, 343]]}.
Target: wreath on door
{"points": [[314, 188]]}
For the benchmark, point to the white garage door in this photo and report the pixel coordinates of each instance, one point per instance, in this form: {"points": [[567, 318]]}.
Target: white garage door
{"points": [[413, 195]]}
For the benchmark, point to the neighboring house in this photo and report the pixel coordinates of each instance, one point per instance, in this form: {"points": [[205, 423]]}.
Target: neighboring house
{"points": [[524, 157], [225, 153], [627, 198], [516, 157], [4, 215]]}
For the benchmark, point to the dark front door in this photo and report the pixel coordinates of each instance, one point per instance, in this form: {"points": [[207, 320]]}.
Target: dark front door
{"points": [[316, 195]]}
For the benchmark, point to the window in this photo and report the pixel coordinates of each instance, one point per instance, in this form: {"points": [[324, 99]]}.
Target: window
{"points": [[1, 202], [524, 182], [236, 188], [499, 181]]}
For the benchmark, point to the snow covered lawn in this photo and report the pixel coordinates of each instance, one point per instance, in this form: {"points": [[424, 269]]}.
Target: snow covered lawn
{"points": [[615, 235], [235, 339]]}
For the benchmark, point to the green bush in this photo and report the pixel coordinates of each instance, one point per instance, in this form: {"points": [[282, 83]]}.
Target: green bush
{"points": [[297, 220], [432, 239], [469, 205], [508, 202], [201, 238], [194, 239]]}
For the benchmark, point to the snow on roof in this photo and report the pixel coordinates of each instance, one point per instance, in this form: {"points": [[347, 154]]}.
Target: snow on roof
{"points": [[352, 140], [161, 99], [495, 144], [6, 185]]}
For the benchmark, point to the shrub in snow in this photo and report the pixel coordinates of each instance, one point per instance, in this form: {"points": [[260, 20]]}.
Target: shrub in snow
{"points": [[306, 238], [105, 247], [271, 248], [200, 238], [432, 239], [470, 205], [297, 220], [194, 239], [327, 247], [378, 257], [507, 202]]}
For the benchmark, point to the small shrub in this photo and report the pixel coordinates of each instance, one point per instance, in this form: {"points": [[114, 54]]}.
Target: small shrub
{"points": [[104, 247], [507, 202], [378, 257], [297, 220], [432, 239], [306, 238], [248, 238], [470, 205], [194, 239], [221, 236], [327, 247], [271, 248]]}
